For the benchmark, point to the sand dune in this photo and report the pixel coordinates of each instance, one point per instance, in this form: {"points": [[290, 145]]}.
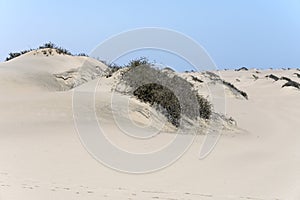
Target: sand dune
{"points": [[41, 155]]}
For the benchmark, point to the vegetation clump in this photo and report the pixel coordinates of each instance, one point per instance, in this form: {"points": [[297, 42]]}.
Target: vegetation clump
{"points": [[205, 107], [169, 93], [112, 68], [275, 78], [255, 77], [196, 79], [286, 79], [292, 84], [242, 69], [214, 77], [230, 85], [297, 74], [163, 98], [138, 62], [48, 45]]}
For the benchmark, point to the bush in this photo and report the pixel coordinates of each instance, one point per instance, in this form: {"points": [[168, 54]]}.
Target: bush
{"points": [[292, 84], [112, 68], [138, 62], [275, 78], [298, 75], [244, 94], [285, 78], [12, 56], [82, 54], [242, 69], [16, 54], [48, 45], [255, 77], [194, 78], [60, 50], [162, 97], [204, 107], [173, 95]]}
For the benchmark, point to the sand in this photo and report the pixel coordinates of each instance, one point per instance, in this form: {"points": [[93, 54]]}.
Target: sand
{"points": [[42, 157]]}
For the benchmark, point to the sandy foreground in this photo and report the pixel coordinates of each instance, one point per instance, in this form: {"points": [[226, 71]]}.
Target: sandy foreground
{"points": [[41, 155]]}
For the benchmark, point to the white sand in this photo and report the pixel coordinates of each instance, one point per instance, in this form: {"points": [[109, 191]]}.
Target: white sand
{"points": [[41, 156]]}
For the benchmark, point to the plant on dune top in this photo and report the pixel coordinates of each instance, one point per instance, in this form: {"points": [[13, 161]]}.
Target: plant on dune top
{"points": [[113, 67], [285, 78], [272, 76], [242, 69], [48, 45], [138, 62], [13, 55]]}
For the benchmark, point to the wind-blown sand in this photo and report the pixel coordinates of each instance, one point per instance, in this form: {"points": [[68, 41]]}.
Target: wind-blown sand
{"points": [[41, 156]]}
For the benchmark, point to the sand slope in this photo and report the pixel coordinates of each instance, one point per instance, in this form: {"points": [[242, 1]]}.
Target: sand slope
{"points": [[41, 156]]}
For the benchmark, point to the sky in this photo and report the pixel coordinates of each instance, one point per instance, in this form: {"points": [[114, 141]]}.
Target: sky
{"points": [[259, 34]]}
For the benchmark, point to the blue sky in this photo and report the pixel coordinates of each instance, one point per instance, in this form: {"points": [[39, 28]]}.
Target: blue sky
{"points": [[235, 33]]}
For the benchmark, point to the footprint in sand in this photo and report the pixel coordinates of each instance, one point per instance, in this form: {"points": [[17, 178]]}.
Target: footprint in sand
{"points": [[5, 185]]}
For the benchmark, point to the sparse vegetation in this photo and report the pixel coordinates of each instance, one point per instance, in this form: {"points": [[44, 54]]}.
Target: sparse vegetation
{"points": [[275, 78], [194, 78], [48, 45], [213, 76], [285, 78], [171, 94], [16, 54], [205, 107], [112, 68], [298, 75], [255, 77], [292, 84], [163, 98], [82, 54], [217, 78], [138, 62], [244, 94], [59, 50], [242, 69]]}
